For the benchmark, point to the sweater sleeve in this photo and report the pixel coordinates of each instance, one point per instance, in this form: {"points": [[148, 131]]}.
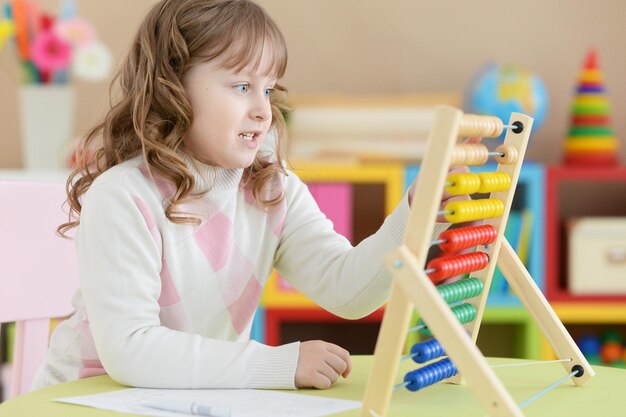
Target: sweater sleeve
{"points": [[119, 264], [349, 281]]}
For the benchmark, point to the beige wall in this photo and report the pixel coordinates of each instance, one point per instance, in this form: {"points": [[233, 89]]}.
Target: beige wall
{"points": [[396, 46]]}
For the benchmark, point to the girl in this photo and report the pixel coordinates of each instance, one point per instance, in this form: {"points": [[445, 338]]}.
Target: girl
{"points": [[185, 209]]}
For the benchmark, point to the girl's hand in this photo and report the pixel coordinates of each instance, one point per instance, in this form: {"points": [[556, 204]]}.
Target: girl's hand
{"points": [[320, 364]]}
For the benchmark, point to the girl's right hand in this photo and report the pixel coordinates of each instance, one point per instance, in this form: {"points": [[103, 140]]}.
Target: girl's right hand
{"points": [[320, 364]]}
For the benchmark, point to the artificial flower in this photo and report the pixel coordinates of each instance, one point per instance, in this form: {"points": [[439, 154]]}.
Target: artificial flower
{"points": [[92, 62], [50, 53], [77, 31], [6, 31]]}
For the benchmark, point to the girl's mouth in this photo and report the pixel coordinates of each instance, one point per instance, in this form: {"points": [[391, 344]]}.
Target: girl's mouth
{"points": [[247, 136]]}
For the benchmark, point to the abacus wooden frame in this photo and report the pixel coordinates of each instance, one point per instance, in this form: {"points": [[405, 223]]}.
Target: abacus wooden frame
{"points": [[412, 288]]}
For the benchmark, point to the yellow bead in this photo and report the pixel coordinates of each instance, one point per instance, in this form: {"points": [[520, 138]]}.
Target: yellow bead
{"points": [[462, 183], [494, 181], [465, 211]]}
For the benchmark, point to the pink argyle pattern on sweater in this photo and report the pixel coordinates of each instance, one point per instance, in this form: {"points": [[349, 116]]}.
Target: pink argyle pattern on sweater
{"points": [[89, 357], [215, 240], [150, 223], [166, 187], [240, 289], [275, 215], [171, 314], [242, 310], [169, 295]]}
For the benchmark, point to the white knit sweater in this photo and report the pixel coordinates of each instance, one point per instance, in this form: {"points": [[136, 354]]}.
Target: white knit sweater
{"points": [[171, 306]]}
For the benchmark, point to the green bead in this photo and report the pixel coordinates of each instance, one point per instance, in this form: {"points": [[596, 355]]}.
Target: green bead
{"points": [[463, 312], [460, 290]]}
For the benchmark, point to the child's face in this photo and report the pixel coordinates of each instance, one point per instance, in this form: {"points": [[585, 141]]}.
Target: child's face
{"points": [[231, 112]]}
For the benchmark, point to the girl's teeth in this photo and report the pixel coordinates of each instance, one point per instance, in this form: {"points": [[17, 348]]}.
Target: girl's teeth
{"points": [[246, 136]]}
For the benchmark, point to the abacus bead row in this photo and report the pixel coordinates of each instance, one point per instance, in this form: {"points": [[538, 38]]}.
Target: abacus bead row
{"points": [[484, 182], [430, 374], [469, 154], [478, 154], [465, 211], [455, 240], [460, 290], [423, 352], [449, 266], [463, 312], [485, 126]]}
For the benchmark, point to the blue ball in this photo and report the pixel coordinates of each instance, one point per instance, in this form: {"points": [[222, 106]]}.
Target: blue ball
{"points": [[589, 345], [500, 90]]}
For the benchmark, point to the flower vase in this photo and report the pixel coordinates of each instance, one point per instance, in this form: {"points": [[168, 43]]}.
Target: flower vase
{"points": [[47, 123]]}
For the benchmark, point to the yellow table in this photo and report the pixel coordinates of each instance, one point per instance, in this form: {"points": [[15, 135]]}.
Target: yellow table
{"points": [[604, 395]]}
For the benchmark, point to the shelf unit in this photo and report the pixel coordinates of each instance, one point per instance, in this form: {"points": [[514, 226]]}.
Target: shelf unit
{"points": [[585, 318], [571, 193]]}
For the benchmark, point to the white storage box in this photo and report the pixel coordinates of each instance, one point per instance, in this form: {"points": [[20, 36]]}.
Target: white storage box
{"points": [[597, 256]]}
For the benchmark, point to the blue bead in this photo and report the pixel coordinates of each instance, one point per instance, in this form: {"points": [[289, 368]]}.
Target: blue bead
{"points": [[425, 351], [430, 374]]}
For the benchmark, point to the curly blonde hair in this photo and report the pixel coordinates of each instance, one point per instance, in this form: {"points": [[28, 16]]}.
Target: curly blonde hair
{"points": [[153, 114]]}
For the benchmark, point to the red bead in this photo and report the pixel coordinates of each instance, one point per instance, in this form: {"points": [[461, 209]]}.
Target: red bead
{"points": [[449, 266], [467, 237]]}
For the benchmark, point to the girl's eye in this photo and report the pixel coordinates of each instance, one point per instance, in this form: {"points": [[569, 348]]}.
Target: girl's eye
{"points": [[242, 88], [268, 91]]}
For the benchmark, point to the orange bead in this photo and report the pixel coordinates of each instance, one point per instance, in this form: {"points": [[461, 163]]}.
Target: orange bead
{"points": [[611, 352]]}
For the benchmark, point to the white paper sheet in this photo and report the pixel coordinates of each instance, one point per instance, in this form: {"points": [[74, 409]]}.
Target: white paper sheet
{"points": [[241, 403]]}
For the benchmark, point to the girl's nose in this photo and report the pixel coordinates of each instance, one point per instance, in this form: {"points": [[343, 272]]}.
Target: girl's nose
{"points": [[262, 109]]}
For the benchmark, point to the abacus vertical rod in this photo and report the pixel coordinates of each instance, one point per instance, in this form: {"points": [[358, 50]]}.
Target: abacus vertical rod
{"points": [[432, 179], [549, 323], [519, 141], [387, 354]]}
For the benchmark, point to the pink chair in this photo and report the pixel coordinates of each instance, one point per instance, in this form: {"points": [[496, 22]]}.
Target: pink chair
{"points": [[38, 270]]}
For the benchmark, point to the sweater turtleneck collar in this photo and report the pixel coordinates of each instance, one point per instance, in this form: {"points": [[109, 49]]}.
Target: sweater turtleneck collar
{"points": [[210, 177]]}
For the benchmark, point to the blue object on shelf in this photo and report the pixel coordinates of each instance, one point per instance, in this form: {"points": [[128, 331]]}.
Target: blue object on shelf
{"points": [[258, 326]]}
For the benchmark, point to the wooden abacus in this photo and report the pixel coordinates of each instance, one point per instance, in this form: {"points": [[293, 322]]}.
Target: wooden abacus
{"points": [[416, 285]]}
